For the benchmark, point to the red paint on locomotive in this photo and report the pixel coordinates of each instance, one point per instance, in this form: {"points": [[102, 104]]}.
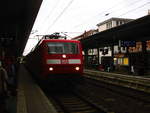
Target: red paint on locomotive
{"points": [[56, 57]]}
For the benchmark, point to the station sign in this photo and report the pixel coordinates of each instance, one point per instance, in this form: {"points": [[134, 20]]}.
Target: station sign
{"points": [[128, 43]]}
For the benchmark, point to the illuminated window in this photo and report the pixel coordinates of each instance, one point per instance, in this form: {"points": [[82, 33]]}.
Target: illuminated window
{"points": [[125, 61]]}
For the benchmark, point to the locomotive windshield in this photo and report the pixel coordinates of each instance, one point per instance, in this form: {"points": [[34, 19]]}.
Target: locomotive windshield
{"points": [[62, 47]]}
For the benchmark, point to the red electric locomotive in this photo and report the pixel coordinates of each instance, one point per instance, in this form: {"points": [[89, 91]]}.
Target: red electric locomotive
{"points": [[56, 59]]}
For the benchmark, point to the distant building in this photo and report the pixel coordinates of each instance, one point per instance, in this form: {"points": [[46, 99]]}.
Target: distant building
{"points": [[149, 12], [105, 25], [85, 34], [112, 22]]}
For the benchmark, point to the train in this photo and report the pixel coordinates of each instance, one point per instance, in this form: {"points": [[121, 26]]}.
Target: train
{"points": [[53, 59]]}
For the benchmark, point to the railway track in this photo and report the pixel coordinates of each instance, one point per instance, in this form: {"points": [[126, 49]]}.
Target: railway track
{"points": [[96, 96], [114, 98], [70, 102]]}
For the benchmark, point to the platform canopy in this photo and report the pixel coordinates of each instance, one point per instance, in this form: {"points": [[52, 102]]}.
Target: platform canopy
{"points": [[17, 19], [136, 30]]}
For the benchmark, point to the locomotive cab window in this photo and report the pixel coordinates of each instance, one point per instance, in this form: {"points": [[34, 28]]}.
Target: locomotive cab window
{"points": [[62, 47]]}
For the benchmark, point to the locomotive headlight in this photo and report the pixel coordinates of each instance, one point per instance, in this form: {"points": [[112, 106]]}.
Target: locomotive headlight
{"points": [[64, 56], [51, 69], [77, 68]]}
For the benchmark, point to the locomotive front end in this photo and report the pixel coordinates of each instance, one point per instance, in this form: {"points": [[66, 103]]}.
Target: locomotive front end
{"points": [[64, 58]]}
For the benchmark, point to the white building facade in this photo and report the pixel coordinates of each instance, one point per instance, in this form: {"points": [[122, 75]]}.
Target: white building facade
{"points": [[112, 22]]}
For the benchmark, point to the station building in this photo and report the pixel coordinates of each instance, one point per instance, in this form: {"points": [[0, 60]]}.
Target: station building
{"points": [[121, 43]]}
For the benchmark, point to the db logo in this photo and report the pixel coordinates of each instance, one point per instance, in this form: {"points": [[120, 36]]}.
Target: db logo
{"points": [[64, 61]]}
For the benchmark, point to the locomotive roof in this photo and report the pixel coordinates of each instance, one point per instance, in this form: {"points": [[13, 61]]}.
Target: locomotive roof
{"points": [[53, 40], [58, 40]]}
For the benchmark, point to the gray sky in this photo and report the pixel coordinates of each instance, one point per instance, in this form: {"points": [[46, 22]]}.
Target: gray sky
{"points": [[76, 16]]}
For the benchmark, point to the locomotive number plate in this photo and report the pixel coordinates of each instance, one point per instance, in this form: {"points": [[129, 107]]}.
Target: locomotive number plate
{"points": [[64, 61]]}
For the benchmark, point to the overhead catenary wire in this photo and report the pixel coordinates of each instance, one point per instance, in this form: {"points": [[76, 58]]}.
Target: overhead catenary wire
{"points": [[104, 15], [101, 15], [134, 9], [39, 13], [107, 14], [58, 17], [49, 13]]}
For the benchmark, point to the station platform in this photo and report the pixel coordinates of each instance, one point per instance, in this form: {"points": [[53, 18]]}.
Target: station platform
{"points": [[141, 83], [30, 98]]}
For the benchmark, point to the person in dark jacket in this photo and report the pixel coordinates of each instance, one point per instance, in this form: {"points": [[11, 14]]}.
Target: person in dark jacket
{"points": [[3, 88]]}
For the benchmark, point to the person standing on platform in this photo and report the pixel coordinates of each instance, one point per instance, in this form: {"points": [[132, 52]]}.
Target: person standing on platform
{"points": [[11, 69], [132, 69], [3, 88]]}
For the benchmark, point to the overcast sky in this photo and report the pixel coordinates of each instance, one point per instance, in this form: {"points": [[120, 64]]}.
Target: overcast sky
{"points": [[76, 16]]}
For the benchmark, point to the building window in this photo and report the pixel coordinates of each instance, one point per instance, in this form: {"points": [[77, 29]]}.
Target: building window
{"points": [[120, 22], [109, 25], [117, 23]]}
